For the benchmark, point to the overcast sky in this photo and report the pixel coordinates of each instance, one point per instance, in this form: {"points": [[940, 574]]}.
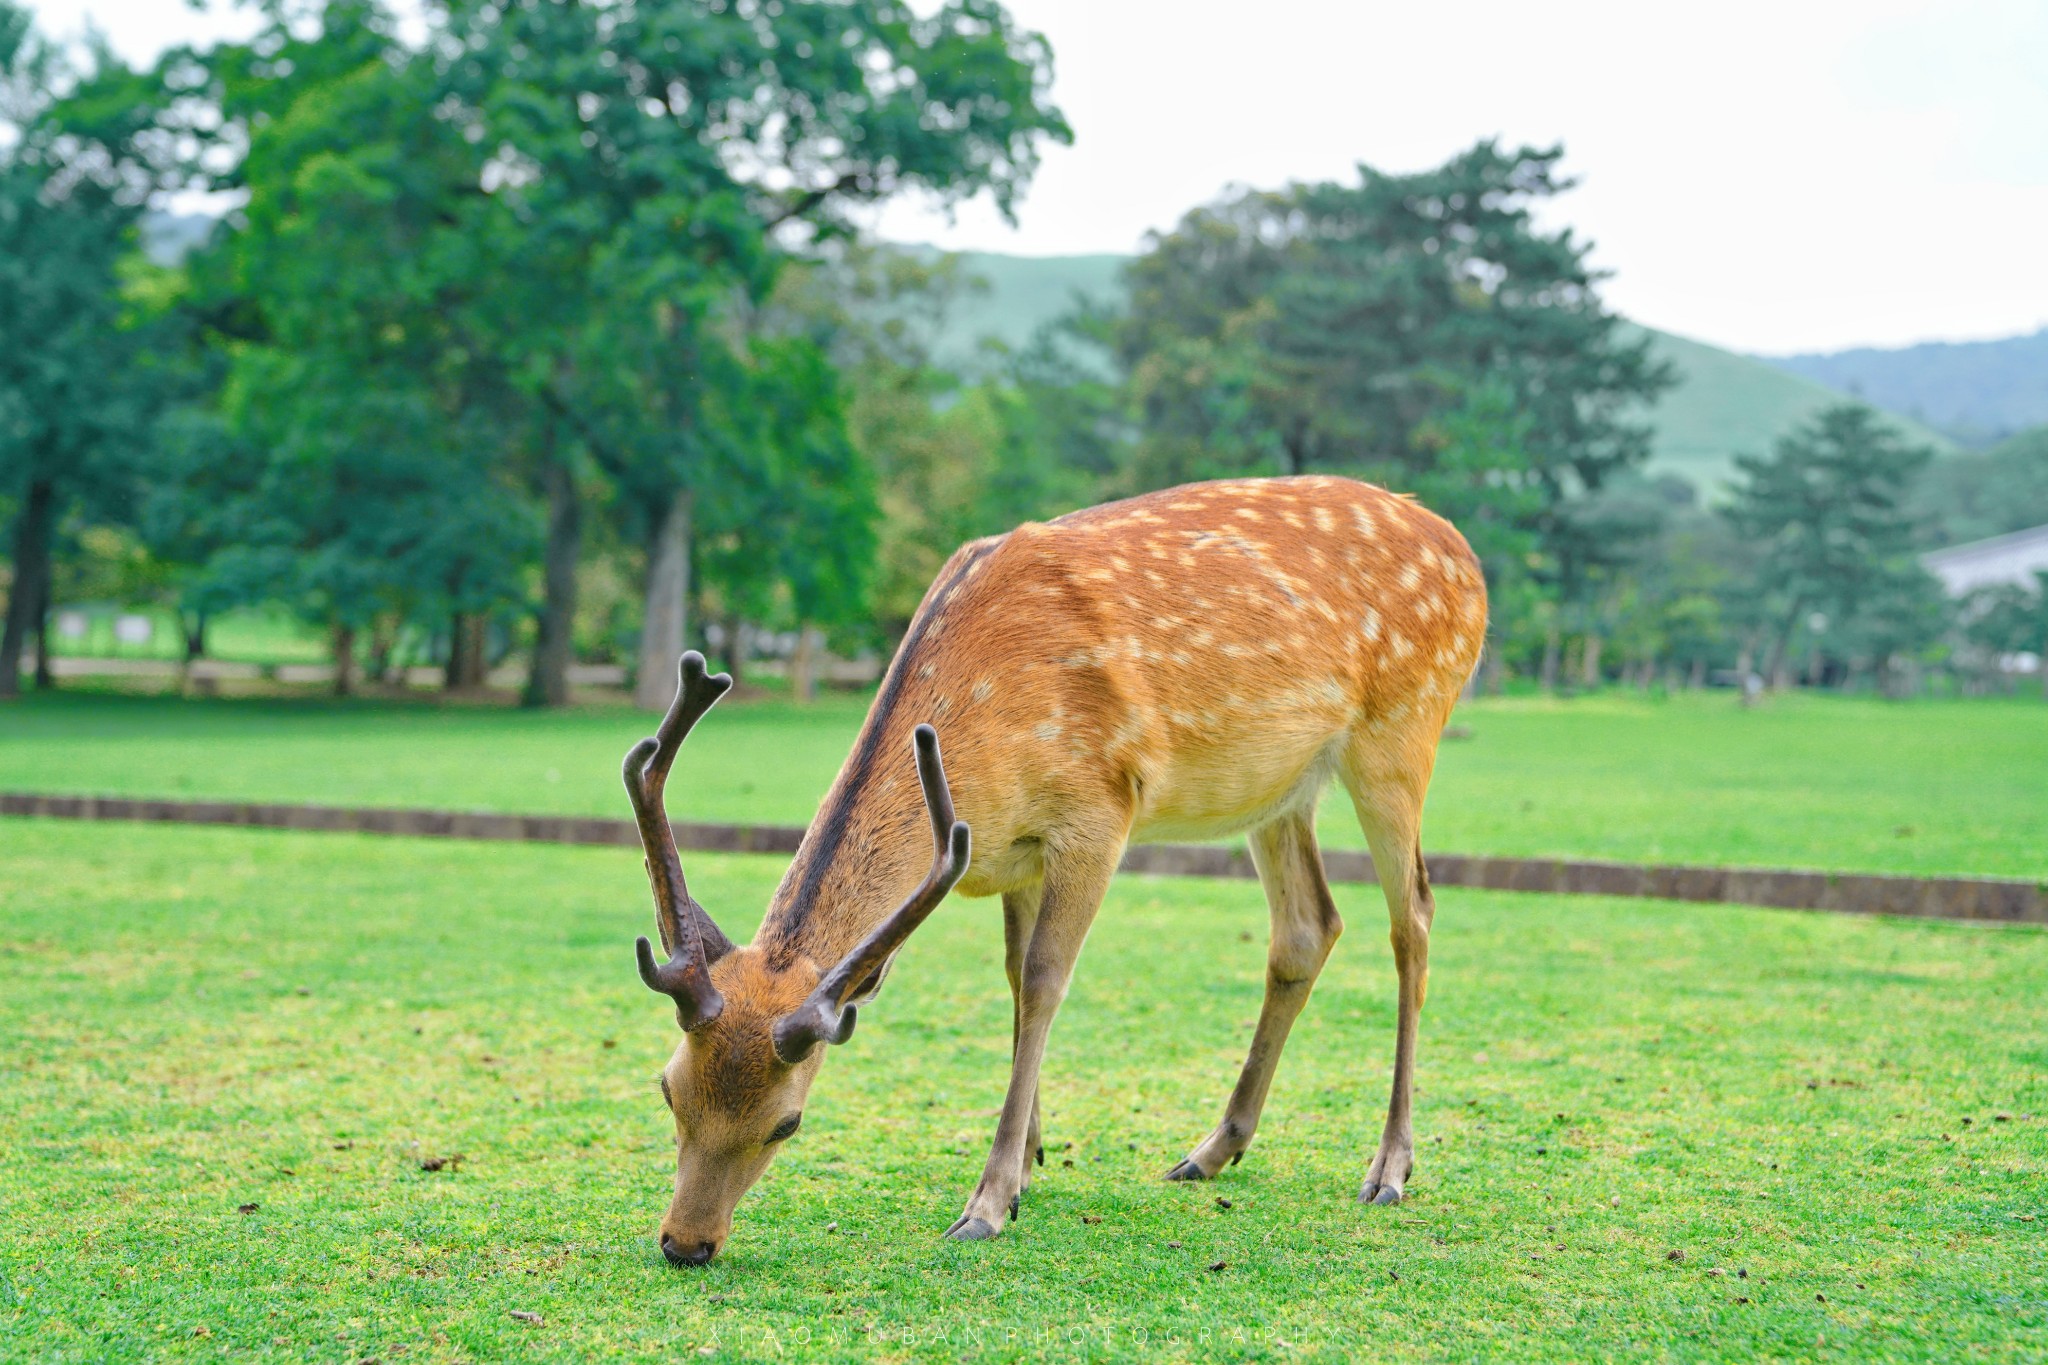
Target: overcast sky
{"points": [[1769, 175]]}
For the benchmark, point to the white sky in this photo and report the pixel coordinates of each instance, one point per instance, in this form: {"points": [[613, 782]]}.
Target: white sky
{"points": [[1769, 175]]}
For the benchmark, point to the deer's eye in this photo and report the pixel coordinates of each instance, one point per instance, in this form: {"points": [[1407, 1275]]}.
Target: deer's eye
{"points": [[666, 1097], [786, 1128]]}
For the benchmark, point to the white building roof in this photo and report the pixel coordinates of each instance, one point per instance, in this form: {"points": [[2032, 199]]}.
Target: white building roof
{"points": [[2014, 558]]}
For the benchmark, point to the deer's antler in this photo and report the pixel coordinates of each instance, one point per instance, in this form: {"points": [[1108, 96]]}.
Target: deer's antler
{"points": [[825, 1016], [688, 936]]}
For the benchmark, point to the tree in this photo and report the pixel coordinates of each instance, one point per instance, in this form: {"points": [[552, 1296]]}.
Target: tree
{"points": [[1415, 329], [78, 395], [1974, 495], [651, 163], [949, 461], [1828, 515], [360, 464], [623, 180], [2009, 619]]}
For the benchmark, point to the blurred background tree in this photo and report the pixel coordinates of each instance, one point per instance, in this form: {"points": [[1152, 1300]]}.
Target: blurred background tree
{"points": [[80, 389], [546, 330], [1419, 330], [1828, 509]]}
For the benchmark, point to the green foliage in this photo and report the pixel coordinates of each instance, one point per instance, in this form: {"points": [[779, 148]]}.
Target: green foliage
{"points": [[1415, 329], [951, 461], [1721, 402], [1829, 513], [1977, 495], [353, 466], [2008, 619], [79, 387], [539, 244]]}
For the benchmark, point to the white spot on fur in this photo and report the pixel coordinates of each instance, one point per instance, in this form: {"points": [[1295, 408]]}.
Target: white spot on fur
{"points": [[983, 690]]}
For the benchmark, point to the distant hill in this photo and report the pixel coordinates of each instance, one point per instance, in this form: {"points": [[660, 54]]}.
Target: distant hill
{"points": [[1728, 404], [1977, 392], [1725, 403], [1024, 293]]}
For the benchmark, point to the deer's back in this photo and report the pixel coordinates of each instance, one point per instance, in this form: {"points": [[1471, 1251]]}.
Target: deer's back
{"points": [[1198, 658]]}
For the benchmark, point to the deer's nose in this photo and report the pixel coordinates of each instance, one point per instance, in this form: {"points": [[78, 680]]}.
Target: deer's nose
{"points": [[678, 1254]]}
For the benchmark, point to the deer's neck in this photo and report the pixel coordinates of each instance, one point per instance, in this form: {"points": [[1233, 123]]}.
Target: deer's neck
{"points": [[872, 841], [868, 849]]}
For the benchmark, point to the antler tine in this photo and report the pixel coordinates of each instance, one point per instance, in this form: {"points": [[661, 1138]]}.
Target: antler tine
{"points": [[825, 1016], [685, 977]]}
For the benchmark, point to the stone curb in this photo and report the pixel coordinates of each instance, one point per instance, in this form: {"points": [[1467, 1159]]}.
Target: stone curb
{"points": [[1963, 898]]}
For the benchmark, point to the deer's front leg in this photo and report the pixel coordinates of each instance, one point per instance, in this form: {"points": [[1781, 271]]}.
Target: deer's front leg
{"points": [[1072, 890]]}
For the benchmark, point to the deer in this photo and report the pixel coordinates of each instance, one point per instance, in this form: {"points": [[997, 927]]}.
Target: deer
{"points": [[1194, 663]]}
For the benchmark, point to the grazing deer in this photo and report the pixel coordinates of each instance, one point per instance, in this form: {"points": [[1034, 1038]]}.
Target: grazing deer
{"points": [[1187, 664]]}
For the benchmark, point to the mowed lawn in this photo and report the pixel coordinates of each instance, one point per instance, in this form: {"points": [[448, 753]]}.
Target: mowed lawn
{"points": [[1935, 787], [1645, 1130]]}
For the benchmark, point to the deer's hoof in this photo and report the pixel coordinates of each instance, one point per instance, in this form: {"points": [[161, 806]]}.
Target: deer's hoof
{"points": [[1187, 1170], [1379, 1194], [967, 1229]]}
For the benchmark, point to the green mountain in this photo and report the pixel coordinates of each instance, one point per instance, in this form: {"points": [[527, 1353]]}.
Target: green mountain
{"points": [[1976, 391], [1724, 404], [1727, 404]]}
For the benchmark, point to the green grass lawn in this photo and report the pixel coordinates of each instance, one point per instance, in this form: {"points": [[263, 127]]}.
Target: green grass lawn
{"points": [[1645, 1130], [1823, 782]]}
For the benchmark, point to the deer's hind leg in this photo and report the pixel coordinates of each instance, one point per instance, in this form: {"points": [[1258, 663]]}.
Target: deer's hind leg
{"points": [[1020, 917], [1305, 928], [1387, 775]]}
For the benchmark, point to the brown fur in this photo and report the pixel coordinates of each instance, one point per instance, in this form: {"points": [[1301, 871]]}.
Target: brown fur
{"points": [[1188, 664]]}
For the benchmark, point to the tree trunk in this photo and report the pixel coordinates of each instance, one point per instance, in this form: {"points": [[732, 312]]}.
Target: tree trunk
{"points": [[803, 667], [667, 606], [548, 683], [1494, 669], [466, 663], [383, 644], [28, 603], [1551, 648], [1781, 646], [45, 678], [1589, 663], [193, 630], [735, 646], [344, 661], [1698, 677]]}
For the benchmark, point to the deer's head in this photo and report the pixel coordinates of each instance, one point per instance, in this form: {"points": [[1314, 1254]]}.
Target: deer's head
{"points": [[752, 1030]]}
